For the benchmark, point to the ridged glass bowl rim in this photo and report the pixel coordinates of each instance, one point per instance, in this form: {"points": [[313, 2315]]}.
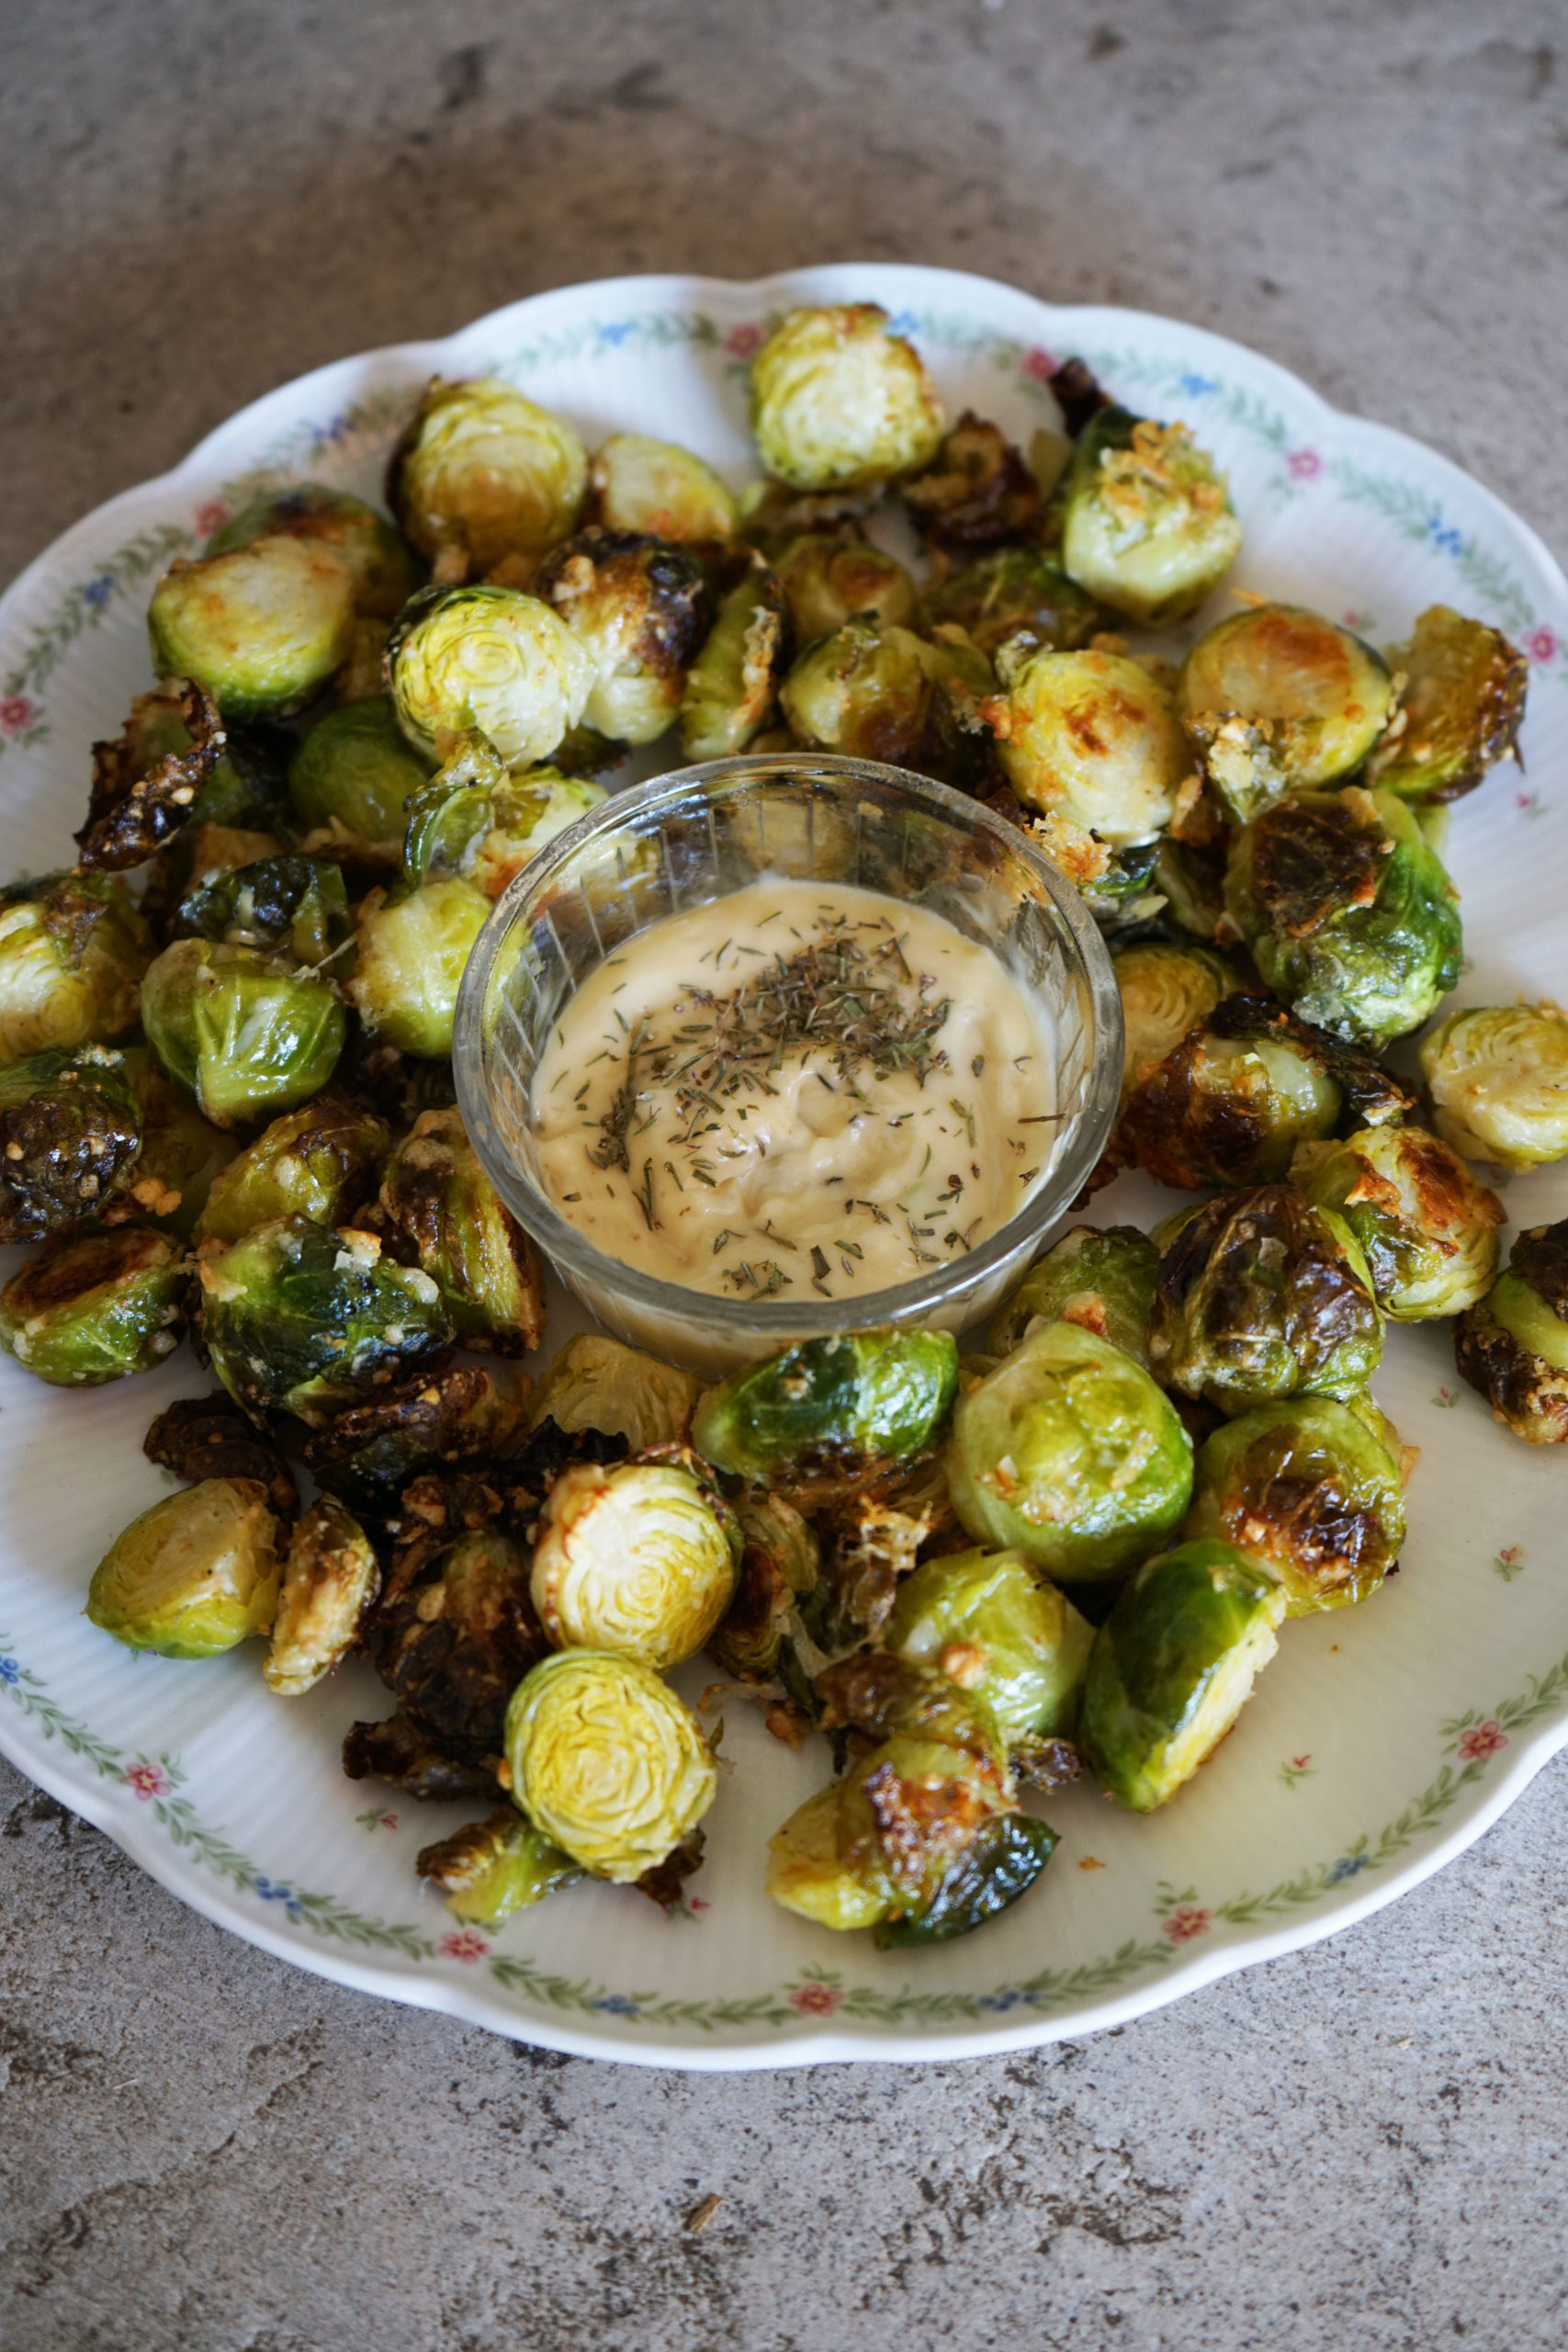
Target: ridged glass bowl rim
{"points": [[776, 1321]]}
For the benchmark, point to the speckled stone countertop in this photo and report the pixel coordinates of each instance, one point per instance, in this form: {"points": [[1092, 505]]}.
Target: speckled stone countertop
{"points": [[1359, 2147]]}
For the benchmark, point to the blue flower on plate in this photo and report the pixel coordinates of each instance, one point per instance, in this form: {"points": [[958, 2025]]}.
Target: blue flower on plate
{"points": [[97, 591], [270, 1892], [10, 1671], [1443, 534], [1196, 386], [615, 333], [903, 322], [1348, 1866], [1008, 2000], [616, 2005]]}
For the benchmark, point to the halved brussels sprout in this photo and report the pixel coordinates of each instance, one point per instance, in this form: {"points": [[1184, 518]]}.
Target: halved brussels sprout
{"points": [[293, 906], [1307, 1489], [412, 948], [441, 1211], [1262, 1293], [446, 1419], [778, 1561], [69, 1132], [1173, 1665], [828, 579], [839, 402], [299, 1318], [1166, 988], [1093, 738], [1348, 911], [194, 1576], [262, 630], [181, 1152], [1498, 1078], [330, 1580], [477, 820], [496, 1867], [731, 688], [639, 610], [1070, 1453], [1000, 1633], [73, 950], [1147, 521], [351, 781], [633, 1559], [639, 484], [606, 1762], [846, 1404], [1427, 1230], [1459, 710], [381, 567], [209, 1437], [483, 473], [95, 1307], [491, 658], [148, 782], [975, 492], [1513, 1346], [877, 692], [595, 1383], [245, 1032], [1010, 596], [454, 1633], [1232, 1102], [1103, 1280], [319, 1163], [1278, 700]]}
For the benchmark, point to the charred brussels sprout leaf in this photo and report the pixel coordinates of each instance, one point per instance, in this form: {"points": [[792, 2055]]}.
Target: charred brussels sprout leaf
{"points": [[1305, 1489], [73, 950], [487, 657], [848, 1404], [209, 1437], [477, 821], [443, 1213], [1013, 597], [839, 402], [450, 1418], [147, 783], [1428, 1229], [639, 611], [262, 630], [299, 1318], [350, 782], [1513, 1346], [1146, 523], [606, 1762], [70, 1131], [1093, 738], [1278, 700], [1166, 990], [1000, 1862], [383, 572], [778, 1561], [294, 905], [1347, 912], [412, 949], [243, 1031], [977, 492], [194, 1576], [987, 1623], [1498, 1078], [318, 1162], [408, 1756], [595, 1383], [1231, 1102], [1263, 1295], [95, 1307], [732, 687], [871, 1544], [1101, 1280], [828, 579], [483, 474], [635, 1559], [1070, 1453], [496, 1867], [453, 1634], [1458, 711], [1173, 1665], [330, 1580], [639, 484]]}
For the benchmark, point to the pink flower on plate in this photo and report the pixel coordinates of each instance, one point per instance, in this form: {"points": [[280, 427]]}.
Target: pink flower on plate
{"points": [[17, 712], [1483, 1741], [465, 1943], [147, 1781], [211, 518], [815, 2000], [1185, 1922], [741, 342], [1038, 364], [1543, 645], [1303, 465]]}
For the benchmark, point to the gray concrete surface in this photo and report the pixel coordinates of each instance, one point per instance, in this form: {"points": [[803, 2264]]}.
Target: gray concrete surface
{"points": [[200, 2150]]}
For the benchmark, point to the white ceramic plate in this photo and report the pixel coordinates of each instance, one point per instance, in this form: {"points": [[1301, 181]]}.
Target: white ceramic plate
{"points": [[1380, 1742]]}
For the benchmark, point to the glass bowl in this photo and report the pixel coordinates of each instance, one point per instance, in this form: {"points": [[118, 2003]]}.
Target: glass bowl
{"points": [[692, 836]]}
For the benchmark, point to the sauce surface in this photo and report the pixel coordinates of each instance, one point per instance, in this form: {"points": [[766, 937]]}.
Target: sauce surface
{"points": [[801, 1090]]}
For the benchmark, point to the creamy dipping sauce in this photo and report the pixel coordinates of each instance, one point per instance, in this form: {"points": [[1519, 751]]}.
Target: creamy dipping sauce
{"points": [[801, 1090]]}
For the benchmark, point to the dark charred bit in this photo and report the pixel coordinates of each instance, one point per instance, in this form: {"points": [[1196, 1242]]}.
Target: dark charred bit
{"points": [[406, 1757], [209, 1437], [1045, 1763], [525, 1477], [977, 492], [1526, 1393], [864, 1693], [1312, 860], [1541, 1255], [452, 1863], [130, 811], [1078, 395], [452, 1418], [1375, 1095], [67, 1152], [665, 1883]]}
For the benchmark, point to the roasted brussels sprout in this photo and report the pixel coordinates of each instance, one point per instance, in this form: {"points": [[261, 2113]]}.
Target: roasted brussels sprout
{"points": [[1173, 1665], [1428, 1229], [181, 1152], [330, 1580], [639, 484], [491, 658], [300, 1319], [409, 1756], [639, 610], [1308, 1490], [95, 1307], [73, 950], [1146, 522], [606, 1762], [1261, 1294], [1101, 1280], [246, 1032], [496, 1867], [351, 781], [194, 1576], [877, 692], [1513, 1346], [412, 947], [635, 1559], [870, 1546], [976, 491], [1459, 710], [999, 1631], [209, 1437], [294, 906], [447, 1417], [1348, 911], [382, 571], [453, 1632], [440, 1211], [731, 688], [778, 1561], [828, 579], [482, 474], [1011, 596], [476, 820], [1278, 700], [318, 1162], [149, 781], [1070, 1453], [1093, 738], [1166, 990], [839, 402], [1498, 1078], [595, 1383], [69, 1132], [262, 630], [848, 1404]]}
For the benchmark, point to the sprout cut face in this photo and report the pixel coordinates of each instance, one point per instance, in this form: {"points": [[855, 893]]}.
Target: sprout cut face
{"points": [[412, 952], [639, 484], [1101, 1280], [1460, 708], [731, 688], [330, 1580], [442, 1212], [839, 402], [1307, 1490], [95, 1307], [1498, 1078], [1147, 521], [477, 822], [482, 474], [490, 658], [847, 1405], [262, 629], [1278, 700], [73, 951], [1428, 1229], [606, 1762], [382, 571], [1092, 738], [240, 1029], [1513, 1346], [633, 1559], [1166, 990], [639, 610], [351, 781], [194, 1576]]}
